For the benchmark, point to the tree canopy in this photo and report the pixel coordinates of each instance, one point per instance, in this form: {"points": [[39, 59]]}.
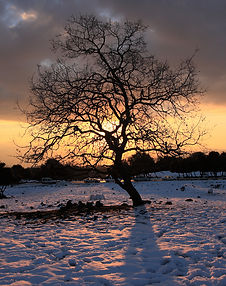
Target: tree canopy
{"points": [[107, 96]]}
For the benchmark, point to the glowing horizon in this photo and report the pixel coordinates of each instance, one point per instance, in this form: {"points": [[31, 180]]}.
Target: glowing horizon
{"points": [[12, 131]]}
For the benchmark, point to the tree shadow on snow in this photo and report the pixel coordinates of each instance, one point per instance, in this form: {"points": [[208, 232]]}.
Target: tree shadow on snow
{"points": [[144, 261]]}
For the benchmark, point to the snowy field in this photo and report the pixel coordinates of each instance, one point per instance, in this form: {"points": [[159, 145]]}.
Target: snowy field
{"points": [[178, 239]]}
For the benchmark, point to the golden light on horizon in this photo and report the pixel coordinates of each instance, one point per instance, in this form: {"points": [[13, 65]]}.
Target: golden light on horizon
{"points": [[12, 132], [216, 127]]}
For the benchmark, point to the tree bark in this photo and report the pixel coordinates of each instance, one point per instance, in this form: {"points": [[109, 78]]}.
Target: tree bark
{"points": [[120, 171], [127, 185], [133, 193]]}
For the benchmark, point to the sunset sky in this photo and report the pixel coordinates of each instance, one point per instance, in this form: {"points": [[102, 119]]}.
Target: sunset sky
{"points": [[177, 29]]}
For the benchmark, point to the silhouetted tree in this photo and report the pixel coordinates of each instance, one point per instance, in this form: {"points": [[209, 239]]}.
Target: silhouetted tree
{"points": [[107, 96], [18, 172], [2, 165], [198, 162], [53, 168], [141, 163], [164, 163], [222, 161], [213, 162], [177, 165], [6, 179]]}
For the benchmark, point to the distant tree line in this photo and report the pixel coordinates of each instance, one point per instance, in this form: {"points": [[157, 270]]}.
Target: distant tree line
{"points": [[51, 168], [197, 163]]}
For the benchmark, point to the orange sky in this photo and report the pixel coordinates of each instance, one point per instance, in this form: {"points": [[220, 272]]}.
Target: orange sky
{"points": [[215, 140], [176, 31], [216, 127]]}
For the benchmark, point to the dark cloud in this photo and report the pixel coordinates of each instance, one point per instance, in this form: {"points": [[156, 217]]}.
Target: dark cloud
{"points": [[178, 28], [25, 43]]}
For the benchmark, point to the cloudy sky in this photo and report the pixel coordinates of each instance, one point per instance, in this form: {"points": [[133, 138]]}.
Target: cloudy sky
{"points": [[177, 29]]}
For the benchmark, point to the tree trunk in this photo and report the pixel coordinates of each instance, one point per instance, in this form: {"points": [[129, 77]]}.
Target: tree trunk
{"points": [[127, 185], [133, 193], [119, 172]]}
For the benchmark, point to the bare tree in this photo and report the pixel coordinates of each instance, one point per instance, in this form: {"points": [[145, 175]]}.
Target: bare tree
{"points": [[106, 97]]}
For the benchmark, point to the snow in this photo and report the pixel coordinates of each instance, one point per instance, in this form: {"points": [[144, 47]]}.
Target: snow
{"points": [[178, 239]]}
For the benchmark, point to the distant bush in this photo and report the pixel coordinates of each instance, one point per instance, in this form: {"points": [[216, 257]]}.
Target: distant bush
{"points": [[6, 179]]}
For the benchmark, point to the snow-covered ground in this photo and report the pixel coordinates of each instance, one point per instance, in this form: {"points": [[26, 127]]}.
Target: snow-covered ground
{"points": [[178, 239]]}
